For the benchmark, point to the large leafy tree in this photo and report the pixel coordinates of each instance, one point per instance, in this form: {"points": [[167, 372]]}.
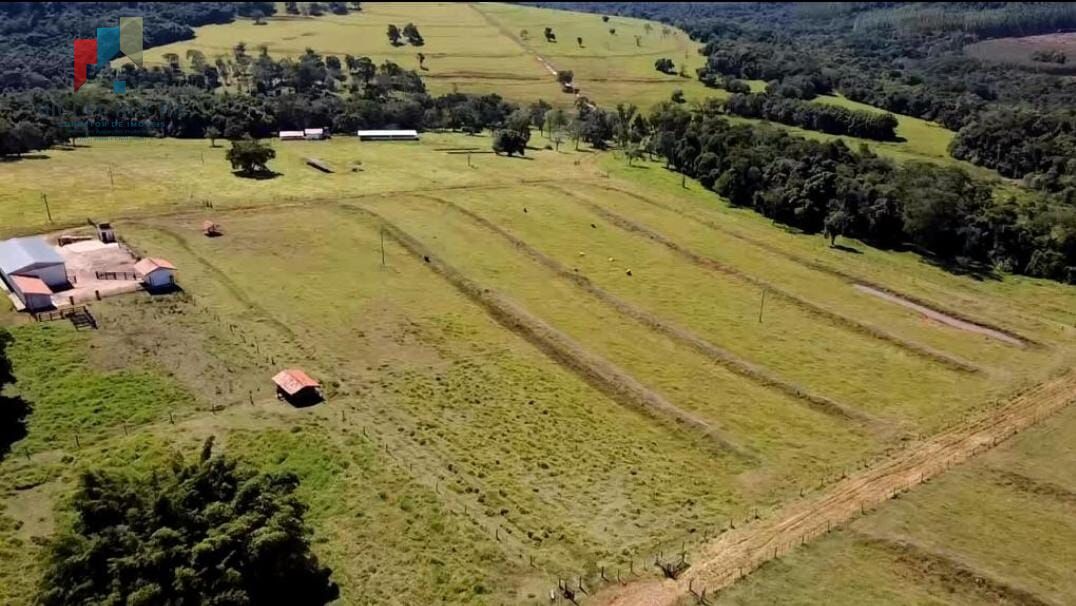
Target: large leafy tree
{"points": [[201, 532], [250, 157]]}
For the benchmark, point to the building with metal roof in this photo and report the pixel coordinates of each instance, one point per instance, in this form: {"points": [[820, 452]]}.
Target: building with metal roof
{"points": [[388, 135], [297, 387], [32, 269]]}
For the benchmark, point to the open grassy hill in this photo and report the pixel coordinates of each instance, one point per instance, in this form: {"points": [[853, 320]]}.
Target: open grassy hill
{"points": [[506, 403], [481, 48], [536, 368]]}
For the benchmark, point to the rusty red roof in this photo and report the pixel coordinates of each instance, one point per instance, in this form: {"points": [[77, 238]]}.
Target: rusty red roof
{"points": [[150, 265], [294, 380], [30, 285]]}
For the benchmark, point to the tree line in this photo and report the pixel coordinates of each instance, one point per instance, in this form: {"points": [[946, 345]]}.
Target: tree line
{"points": [[311, 91], [904, 58], [208, 531], [40, 34], [814, 116], [825, 187]]}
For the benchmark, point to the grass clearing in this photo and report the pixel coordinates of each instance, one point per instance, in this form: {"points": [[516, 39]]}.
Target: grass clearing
{"points": [[982, 535], [1043, 309], [789, 341], [487, 437], [455, 462], [154, 175], [477, 411]]}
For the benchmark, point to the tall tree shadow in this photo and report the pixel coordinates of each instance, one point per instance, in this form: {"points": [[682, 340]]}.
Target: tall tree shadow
{"points": [[13, 410]]}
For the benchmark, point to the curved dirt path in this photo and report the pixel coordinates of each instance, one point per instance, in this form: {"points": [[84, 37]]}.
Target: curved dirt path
{"points": [[738, 552], [938, 316]]}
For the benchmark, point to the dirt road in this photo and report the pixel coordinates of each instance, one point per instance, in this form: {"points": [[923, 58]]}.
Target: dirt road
{"points": [[738, 552]]}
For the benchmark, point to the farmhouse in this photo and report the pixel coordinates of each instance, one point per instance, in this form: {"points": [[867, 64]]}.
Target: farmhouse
{"points": [[315, 134], [388, 135], [156, 273], [297, 387], [292, 135]]}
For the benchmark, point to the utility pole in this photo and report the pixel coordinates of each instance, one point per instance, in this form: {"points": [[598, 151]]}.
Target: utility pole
{"points": [[761, 304], [382, 246], [45, 199]]}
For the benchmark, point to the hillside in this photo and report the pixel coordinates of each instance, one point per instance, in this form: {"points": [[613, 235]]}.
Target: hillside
{"points": [[608, 355]]}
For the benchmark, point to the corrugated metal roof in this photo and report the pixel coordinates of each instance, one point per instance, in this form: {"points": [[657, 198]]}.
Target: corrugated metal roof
{"points": [[30, 285], [150, 265], [294, 380], [18, 254], [387, 133]]}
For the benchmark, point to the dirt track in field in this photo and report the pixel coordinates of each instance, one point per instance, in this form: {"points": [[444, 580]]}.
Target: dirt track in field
{"points": [[938, 316], [738, 552]]}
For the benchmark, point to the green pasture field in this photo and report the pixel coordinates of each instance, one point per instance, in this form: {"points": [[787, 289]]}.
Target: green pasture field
{"points": [[112, 178], [479, 48], [457, 458], [484, 468], [996, 530]]}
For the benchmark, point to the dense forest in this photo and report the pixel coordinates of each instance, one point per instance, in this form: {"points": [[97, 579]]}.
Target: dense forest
{"points": [[905, 58], [267, 95], [41, 34], [814, 116]]}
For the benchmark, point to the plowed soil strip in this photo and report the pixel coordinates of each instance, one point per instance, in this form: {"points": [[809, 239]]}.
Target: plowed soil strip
{"points": [[596, 371], [738, 552], [725, 358], [851, 279], [923, 351]]}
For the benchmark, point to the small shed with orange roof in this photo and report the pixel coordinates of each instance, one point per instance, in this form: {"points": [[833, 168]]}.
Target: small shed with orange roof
{"points": [[297, 387]]}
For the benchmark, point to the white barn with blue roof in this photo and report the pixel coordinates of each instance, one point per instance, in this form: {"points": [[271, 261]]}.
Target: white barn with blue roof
{"points": [[30, 267]]}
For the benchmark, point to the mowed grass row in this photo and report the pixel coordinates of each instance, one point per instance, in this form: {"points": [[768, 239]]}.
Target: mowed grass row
{"points": [[113, 178], [863, 372], [568, 475], [997, 529], [832, 292], [1042, 309], [785, 433]]}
